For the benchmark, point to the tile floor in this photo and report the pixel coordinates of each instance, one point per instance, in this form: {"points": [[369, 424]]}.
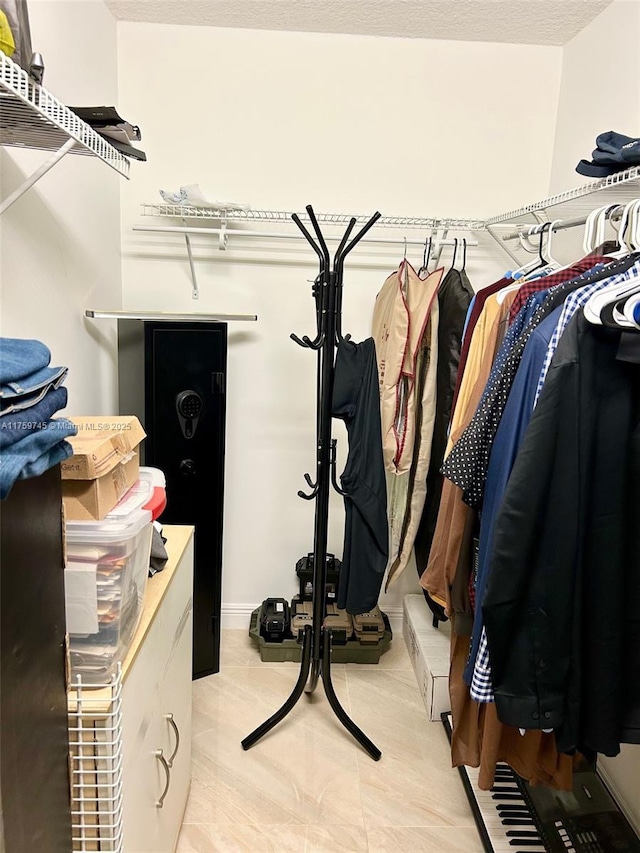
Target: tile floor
{"points": [[307, 786]]}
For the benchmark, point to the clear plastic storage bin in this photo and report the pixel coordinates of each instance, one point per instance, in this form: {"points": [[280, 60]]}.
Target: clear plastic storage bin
{"points": [[105, 582]]}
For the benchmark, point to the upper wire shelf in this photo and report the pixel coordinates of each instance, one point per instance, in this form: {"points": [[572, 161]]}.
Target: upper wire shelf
{"points": [[580, 200], [31, 117], [237, 215]]}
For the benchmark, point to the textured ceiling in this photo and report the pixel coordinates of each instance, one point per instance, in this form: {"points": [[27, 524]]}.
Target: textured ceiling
{"points": [[550, 22]]}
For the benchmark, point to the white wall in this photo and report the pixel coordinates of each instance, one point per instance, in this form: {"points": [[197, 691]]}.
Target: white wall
{"points": [[349, 124], [60, 243], [600, 89]]}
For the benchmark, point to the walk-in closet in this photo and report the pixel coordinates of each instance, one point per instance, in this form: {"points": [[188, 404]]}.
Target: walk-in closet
{"points": [[319, 426]]}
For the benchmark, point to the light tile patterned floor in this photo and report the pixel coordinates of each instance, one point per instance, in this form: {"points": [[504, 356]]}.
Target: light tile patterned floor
{"points": [[307, 787]]}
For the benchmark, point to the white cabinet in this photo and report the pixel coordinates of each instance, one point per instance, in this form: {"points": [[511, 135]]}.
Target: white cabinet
{"points": [[156, 720], [155, 703]]}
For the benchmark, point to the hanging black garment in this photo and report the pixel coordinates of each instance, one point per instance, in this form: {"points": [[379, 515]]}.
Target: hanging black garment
{"points": [[356, 401], [561, 605], [454, 297]]}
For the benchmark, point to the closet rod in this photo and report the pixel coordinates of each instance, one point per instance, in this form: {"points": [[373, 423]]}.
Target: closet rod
{"points": [[225, 233], [530, 230]]}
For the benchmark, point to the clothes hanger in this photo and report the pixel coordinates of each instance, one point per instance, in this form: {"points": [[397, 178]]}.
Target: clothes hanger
{"points": [[551, 264], [518, 275], [530, 266], [541, 263], [628, 308], [464, 254], [596, 303], [546, 262], [587, 237], [455, 253], [426, 257]]}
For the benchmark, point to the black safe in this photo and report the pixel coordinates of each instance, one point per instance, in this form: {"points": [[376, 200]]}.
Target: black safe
{"points": [[172, 375]]}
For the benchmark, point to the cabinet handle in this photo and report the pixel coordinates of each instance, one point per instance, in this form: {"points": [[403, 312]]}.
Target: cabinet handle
{"points": [[159, 754], [174, 726]]}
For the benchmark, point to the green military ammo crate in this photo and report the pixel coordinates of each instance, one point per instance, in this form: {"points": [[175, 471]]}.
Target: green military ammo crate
{"points": [[352, 651]]}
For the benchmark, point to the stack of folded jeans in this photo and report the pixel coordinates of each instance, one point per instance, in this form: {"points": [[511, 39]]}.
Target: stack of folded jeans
{"points": [[613, 153], [31, 440]]}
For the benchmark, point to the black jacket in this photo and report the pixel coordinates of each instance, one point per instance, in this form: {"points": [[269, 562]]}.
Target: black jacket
{"points": [[454, 297], [561, 606]]}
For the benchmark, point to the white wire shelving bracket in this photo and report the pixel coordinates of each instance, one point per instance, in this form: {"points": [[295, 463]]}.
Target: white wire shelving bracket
{"points": [[31, 117]]}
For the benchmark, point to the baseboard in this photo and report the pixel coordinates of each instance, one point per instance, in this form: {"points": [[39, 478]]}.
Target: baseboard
{"points": [[238, 616]]}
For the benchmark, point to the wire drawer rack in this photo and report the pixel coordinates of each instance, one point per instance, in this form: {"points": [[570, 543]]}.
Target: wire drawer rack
{"points": [[96, 757]]}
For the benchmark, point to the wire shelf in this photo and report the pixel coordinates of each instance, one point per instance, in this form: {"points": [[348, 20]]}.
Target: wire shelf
{"points": [[95, 748], [31, 117], [236, 215], [576, 202]]}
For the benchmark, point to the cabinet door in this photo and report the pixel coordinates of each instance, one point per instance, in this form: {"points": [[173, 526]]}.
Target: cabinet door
{"points": [[159, 683], [176, 737], [145, 780]]}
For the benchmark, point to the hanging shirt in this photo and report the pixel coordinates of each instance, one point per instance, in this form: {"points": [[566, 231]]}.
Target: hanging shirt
{"points": [[481, 689], [474, 315], [466, 465], [530, 286], [561, 601], [573, 303], [509, 436]]}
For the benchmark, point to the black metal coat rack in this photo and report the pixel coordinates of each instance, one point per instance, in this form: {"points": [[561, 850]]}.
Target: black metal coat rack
{"points": [[317, 640]]}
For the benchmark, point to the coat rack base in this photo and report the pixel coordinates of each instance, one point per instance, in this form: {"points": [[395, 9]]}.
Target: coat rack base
{"points": [[311, 672]]}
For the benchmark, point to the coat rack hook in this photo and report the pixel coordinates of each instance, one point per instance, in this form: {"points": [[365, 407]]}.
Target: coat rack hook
{"points": [[300, 343], [334, 477]]}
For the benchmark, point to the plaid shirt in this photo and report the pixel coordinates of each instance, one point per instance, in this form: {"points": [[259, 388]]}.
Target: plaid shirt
{"points": [[574, 303], [529, 287], [481, 688]]}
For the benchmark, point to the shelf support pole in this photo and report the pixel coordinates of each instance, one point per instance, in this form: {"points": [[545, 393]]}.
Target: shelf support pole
{"points": [[39, 172], [195, 293]]}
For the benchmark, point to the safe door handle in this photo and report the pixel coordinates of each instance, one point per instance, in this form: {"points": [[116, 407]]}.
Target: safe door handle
{"points": [[159, 754], [169, 718]]}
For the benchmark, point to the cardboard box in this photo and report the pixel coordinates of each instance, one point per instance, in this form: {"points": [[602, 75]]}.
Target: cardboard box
{"points": [[429, 651], [104, 466]]}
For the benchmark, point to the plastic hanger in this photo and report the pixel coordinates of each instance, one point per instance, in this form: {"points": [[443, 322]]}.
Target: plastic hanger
{"points": [[546, 262], [464, 254], [624, 229], [538, 262], [596, 303], [587, 237], [550, 264], [625, 309]]}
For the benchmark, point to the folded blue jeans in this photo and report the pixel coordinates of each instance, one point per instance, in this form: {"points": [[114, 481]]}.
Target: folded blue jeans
{"points": [[20, 357], [18, 395], [35, 453], [18, 424]]}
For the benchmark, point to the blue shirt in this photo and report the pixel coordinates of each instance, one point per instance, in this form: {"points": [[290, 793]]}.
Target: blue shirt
{"points": [[513, 425]]}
